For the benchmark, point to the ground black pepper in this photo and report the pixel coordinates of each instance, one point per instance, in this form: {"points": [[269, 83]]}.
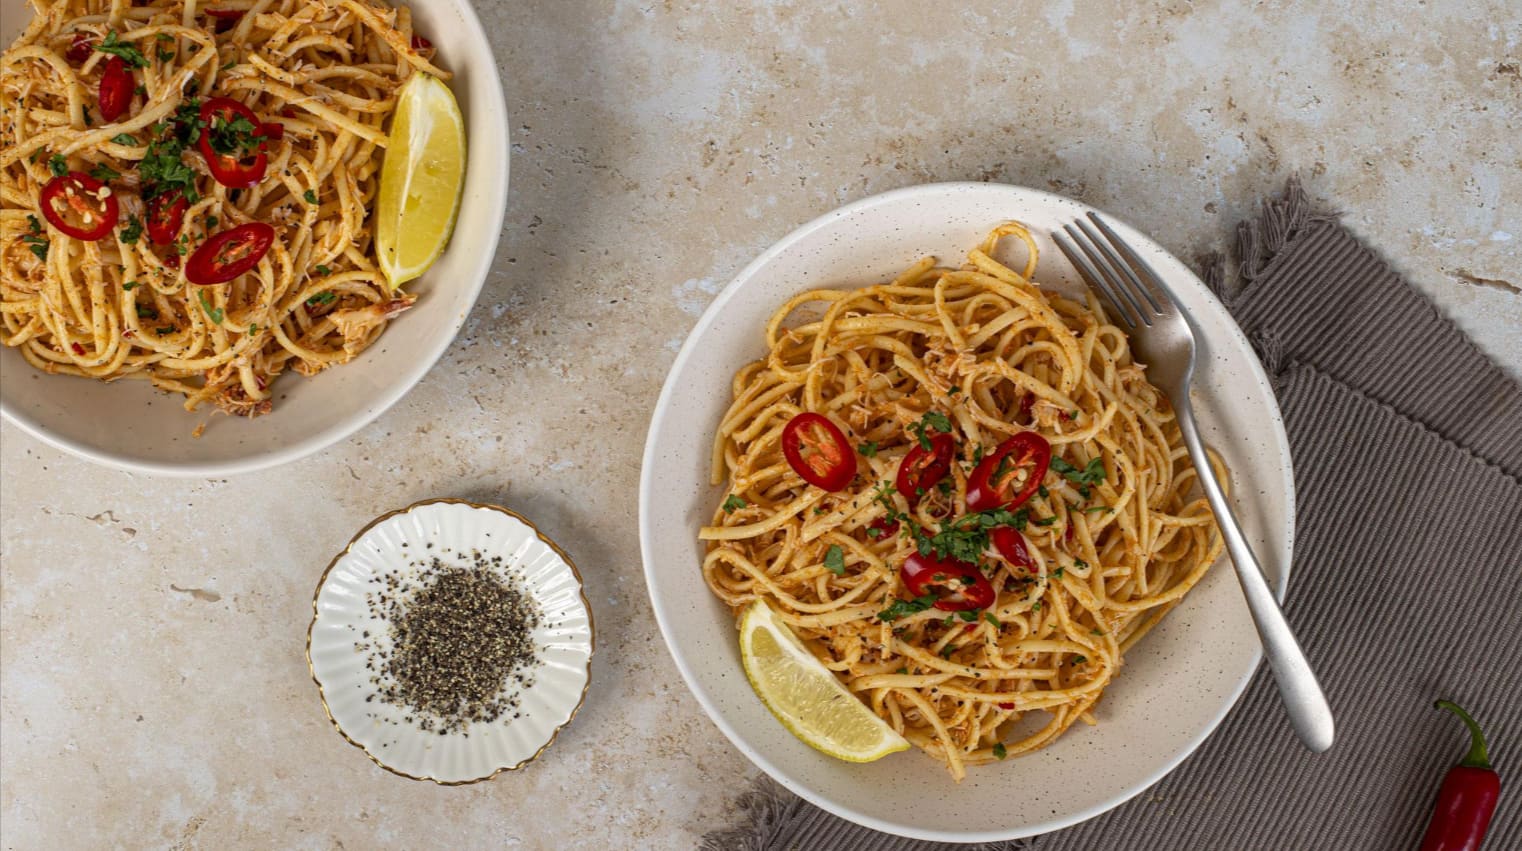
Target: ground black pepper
{"points": [[460, 646]]}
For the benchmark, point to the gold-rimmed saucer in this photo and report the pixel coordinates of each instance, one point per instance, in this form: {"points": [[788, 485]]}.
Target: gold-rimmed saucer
{"points": [[344, 631]]}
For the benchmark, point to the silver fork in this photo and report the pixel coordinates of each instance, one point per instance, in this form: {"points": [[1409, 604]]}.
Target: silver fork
{"points": [[1162, 338]]}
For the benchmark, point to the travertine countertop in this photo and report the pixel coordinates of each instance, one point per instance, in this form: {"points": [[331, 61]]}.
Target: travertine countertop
{"points": [[155, 691]]}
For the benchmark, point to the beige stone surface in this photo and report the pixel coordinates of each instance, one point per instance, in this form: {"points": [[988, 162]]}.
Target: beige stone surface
{"points": [[154, 687]]}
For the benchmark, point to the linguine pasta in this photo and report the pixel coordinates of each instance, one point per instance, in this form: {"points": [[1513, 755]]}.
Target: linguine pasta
{"points": [[1110, 542], [321, 77]]}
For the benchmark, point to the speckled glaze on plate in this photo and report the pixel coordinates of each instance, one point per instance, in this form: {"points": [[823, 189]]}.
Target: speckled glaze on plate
{"points": [[451, 530], [130, 426], [1177, 684]]}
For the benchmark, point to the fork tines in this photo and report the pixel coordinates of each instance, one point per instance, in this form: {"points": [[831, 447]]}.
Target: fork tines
{"points": [[1132, 292]]}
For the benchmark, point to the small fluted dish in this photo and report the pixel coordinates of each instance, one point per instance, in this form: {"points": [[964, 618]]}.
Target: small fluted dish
{"points": [[345, 633]]}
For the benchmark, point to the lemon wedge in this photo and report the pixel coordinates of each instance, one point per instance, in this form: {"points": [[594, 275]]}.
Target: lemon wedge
{"points": [[805, 696], [421, 178]]}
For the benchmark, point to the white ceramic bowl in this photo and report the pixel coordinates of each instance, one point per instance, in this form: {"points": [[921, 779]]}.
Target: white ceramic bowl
{"points": [[131, 426], [450, 530], [1177, 684]]}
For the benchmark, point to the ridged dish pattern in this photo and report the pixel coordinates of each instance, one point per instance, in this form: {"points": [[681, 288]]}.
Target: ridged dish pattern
{"points": [[452, 531]]}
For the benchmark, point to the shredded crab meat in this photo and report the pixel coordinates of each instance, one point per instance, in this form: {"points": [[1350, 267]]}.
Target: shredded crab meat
{"points": [[357, 325]]}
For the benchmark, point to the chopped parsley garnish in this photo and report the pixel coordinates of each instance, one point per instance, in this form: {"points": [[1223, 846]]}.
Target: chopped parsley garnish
{"points": [[124, 139], [58, 165], [324, 297], [868, 449], [1036, 606], [323, 270], [36, 244], [162, 170], [127, 285], [1045, 521], [1096, 632], [147, 311], [1093, 473], [104, 173], [1093, 508], [835, 560], [32, 158], [166, 55], [33, 223], [1079, 660], [968, 616], [1041, 489], [1000, 751], [167, 329], [732, 503], [310, 196], [211, 221], [129, 54], [899, 608], [253, 329], [954, 390], [947, 651], [989, 616], [228, 64], [902, 671], [214, 313], [233, 138], [132, 231], [967, 538], [931, 419], [1057, 574]]}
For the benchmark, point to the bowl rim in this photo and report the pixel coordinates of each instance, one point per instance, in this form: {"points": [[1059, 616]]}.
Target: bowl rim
{"points": [[665, 617], [387, 397], [581, 590]]}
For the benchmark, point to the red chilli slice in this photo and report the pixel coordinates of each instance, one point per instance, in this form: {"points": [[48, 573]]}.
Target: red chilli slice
{"points": [[817, 450], [80, 206], [229, 254], [115, 92], [81, 47], [996, 484], [165, 214], [922, 468], [230, 170]]}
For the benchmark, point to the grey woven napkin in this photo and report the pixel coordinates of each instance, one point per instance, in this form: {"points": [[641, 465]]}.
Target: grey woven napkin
{"points": [[1407, 584]]}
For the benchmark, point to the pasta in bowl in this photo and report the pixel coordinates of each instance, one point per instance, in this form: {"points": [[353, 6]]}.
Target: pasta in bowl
{"points": [[190, 195], [1003, 509], [1177, 681]]}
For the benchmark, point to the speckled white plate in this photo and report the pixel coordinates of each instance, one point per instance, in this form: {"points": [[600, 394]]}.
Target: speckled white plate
{"points": [[130, 426], [452, 530], [1177, 684]]}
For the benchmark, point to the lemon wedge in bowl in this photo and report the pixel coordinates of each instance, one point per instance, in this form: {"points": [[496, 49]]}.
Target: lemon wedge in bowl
{"points": [[805, 696], [422, 176]]}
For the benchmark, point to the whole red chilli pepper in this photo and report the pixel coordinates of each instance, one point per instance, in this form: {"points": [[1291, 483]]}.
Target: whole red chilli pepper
{"points": [[1467, 797]]}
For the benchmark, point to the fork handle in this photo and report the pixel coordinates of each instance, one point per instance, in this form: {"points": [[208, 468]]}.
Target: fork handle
{"points": [[1303, 699]]}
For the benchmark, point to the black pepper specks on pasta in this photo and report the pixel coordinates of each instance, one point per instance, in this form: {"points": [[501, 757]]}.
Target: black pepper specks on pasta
{"points": [[460, 646]]}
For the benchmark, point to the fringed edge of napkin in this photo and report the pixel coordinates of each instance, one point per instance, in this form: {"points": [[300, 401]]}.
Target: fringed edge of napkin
{"points": [[766, 807], [1261, 243]]}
